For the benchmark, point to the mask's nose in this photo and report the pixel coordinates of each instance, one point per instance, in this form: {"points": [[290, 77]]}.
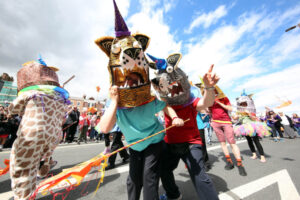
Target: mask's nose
{"points": [[133, 52]]}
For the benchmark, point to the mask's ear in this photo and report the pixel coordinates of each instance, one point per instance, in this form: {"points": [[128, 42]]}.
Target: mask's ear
{"points": [[152, 65], [104, 43], [174, 59], [143, 39]]}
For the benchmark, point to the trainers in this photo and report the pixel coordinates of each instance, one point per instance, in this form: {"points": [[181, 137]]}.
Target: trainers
{"points": [[125, 159], [164, 197], [242, 170], [207, 166], [229, 166]]}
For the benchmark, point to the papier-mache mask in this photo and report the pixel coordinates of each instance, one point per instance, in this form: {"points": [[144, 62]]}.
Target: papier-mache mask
{"points": [[171, 83], [128, 66], [245, 103], [36, 73]]}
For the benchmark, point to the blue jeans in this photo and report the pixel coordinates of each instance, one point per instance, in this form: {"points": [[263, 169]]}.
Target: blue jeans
{"points": [[92, 133], [193, 158], [208, 134], [298, 130]]}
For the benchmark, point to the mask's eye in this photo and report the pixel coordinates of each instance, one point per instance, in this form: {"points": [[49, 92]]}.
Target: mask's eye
{"points": [[136, 44], [116, 48], [169, 69]]}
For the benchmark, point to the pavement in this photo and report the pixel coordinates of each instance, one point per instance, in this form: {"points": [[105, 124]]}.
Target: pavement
{"points": [[278, 178]]}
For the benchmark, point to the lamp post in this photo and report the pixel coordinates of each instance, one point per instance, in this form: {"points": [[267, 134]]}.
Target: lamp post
{"points": [[293, 27]]}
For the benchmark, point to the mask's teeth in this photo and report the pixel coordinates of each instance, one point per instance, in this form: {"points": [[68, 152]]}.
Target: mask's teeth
{"points": [[133, 85], [139, 82], [169, 95], [175, 95], [180, 93], [125, 85]]}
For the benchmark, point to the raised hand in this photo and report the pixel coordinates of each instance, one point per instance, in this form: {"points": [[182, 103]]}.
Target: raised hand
{"points": [[210, 79]]}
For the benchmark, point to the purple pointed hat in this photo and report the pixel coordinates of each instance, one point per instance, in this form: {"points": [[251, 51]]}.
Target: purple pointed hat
{"points": [[120, 25]]}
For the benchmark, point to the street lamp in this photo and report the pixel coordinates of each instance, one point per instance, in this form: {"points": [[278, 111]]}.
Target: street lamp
{"points": [[291, 28]]}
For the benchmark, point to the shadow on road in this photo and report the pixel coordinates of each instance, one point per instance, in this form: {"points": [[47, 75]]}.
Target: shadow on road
{"points": [[188, 191]]}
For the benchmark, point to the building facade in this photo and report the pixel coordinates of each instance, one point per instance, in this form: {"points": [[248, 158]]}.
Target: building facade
{"points": [[81, 103], [8, 93]]}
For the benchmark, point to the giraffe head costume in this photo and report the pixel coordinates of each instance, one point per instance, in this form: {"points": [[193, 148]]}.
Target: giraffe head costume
{"points": [[42, 105]]}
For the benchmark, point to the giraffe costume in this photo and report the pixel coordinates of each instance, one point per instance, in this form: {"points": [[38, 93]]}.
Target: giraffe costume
{"points": [[42, 105]]}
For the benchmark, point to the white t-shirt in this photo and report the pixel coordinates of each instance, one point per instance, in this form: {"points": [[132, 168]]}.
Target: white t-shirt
{"points": [[285, 120]]}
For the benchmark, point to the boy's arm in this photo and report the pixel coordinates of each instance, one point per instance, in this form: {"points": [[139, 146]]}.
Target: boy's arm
{"points": [[109, 118], [209, 81], [226, 107], [172, 114]]}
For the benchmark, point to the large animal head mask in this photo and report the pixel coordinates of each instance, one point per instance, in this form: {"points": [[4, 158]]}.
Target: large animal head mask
{"points": [[127, 66], [170, 82], [245, 103]]}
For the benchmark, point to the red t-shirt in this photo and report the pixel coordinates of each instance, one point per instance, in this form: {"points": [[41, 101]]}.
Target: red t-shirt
{"points": [[218, 112], [187, 133]]}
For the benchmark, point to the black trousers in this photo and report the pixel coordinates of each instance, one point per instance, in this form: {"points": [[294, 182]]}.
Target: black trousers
{"points": [[204, 149], [117, 144], [71, 132], [255, 139], [144, 172], [107, 140], [274, 129], [194, 161]]}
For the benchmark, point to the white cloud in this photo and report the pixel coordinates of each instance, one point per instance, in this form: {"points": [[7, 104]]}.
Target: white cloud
{"points": [[271, 88], [287, 48], [64, 33], [208, 19], [219, 48]]}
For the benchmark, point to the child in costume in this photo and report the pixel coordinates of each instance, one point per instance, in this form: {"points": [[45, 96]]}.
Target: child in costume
{"points": [[222, 125], [133, 108], [249, 126], [185, 143], [42, 104]]}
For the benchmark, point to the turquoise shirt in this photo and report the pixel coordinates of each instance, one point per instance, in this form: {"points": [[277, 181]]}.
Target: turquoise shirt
{"points": [[140, 122]]}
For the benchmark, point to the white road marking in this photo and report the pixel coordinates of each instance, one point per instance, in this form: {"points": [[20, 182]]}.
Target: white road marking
{"points": [[287, 189]]}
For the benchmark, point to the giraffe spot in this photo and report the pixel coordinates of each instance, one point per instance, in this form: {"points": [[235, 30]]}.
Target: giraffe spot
{"points": [[27, 192], [21, 152], [32, 174], [25, 164], [45, 117], [46, 136], [28, 143], [41, 142], [36, 149], [40, 136], [16, 174], [39, 117], [26, 172], [29, 123], [29, 153], [32, 113], [32, 133], [17, 107], [39, 110], [42, 123], [33, 186], [50, 113]]}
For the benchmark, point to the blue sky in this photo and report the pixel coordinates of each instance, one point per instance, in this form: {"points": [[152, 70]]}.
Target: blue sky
{"points": [[246, 40]]}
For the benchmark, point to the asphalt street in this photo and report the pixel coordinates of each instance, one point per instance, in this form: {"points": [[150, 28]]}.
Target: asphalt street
{"points": [[278, 178]]}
